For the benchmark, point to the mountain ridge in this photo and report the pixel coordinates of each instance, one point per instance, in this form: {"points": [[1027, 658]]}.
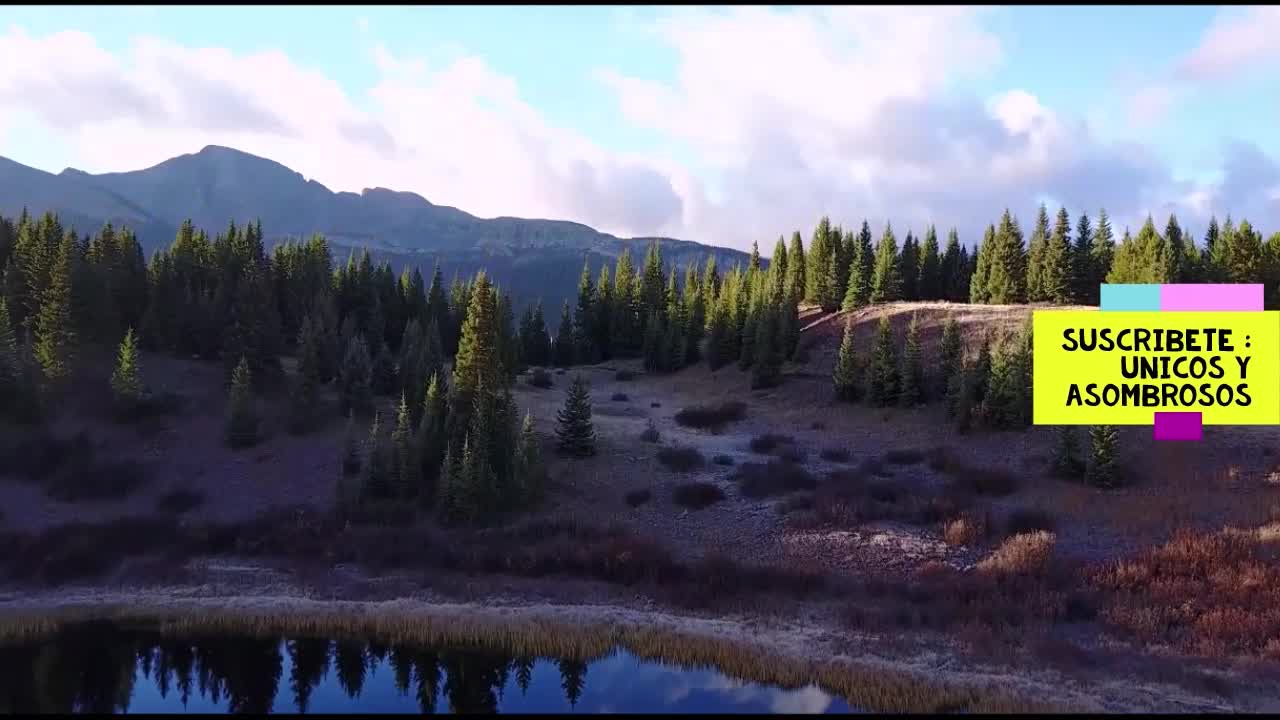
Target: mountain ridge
{"points": [[218, 184]]}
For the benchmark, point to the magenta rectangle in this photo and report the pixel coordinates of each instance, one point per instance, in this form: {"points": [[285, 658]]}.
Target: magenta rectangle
{"points": [[1221, 297], [1178, 426]]}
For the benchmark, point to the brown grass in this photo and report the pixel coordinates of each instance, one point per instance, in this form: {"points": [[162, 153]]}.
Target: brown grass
{"points": [[1214, 594], [1028, 553], [964, 530]]}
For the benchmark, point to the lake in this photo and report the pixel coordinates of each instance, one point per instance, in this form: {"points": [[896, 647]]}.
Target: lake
{"points": [[105, 667]]}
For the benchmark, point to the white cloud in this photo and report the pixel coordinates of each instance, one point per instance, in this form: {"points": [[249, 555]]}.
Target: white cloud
{"points": [[1238, 40], [849, 111]]}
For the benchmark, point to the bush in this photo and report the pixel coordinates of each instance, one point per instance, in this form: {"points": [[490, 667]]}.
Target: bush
{"points": [[650, 433], [1026, 554], [722, 459], [791, 454], [817, 425], [712, 416], [91, 480], [697, 495], [540, 378], [636, 498], [964, 530], [1027, 520], [624, 376], [758, 481], [680, 458], [179, 501], [560, 371], [874, 466], [655, 404], [904, 457], [833, 454], [620, 397], [965, 477], [768, 442], [799, 502]]}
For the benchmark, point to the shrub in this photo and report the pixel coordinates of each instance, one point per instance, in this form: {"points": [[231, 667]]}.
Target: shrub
{"points": [[874, 466], [964, 530], [620, 397], [971, 478], [799, 502], [833, 454], [650, 433], [179, 501], [712, 416], [655, 404], [791, 454], [560, 371], [636, 498], [817, 425], [1027, 520], [680, 458], [904, 457], [769, 442], [624, 376], [758, 481], [89, 480], [697, 495], [1025, 554], [722, 459], [540, 378]]}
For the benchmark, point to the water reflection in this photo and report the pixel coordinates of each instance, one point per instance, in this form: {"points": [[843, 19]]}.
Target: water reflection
{"points": [[101, 667]]}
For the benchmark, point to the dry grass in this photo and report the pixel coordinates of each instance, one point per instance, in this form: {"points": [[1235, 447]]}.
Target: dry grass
{"points": [[697, 495], [1028, 553], [712, 417], [1029, 519], [968, 477], [964, 530], [850, 498], [1215, 594]]}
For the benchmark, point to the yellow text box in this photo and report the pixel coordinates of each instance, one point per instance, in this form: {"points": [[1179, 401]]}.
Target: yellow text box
{"points": [[1103, 395]]}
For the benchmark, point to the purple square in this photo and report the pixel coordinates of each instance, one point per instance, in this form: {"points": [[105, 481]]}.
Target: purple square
{"points": [[1178, 426]]}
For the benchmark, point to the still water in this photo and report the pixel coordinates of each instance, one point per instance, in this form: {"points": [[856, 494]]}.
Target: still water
{"points": [[102, 667]]}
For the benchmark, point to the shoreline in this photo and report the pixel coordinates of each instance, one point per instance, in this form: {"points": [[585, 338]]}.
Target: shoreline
{"points": [[780, 651]]}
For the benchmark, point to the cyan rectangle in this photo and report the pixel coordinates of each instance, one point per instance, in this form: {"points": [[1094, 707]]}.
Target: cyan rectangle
{"points": [[1211, 297], [1131, 298]]}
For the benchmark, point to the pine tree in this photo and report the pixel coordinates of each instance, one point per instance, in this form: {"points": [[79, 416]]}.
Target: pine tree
{"points": [[242, 416], [953, 270], [574, 431], [408, 467], [950, 352], [1036, 256], [1143, 259], [848, 372], [767, 370], [882, 384], [980, 373], [356, 377], [305, 399], [1055, 263], [430, 441], [719, 342], [126, 380], [562, 352], [816, 263], [912, 391], [56, 339], [1066, 456], [531, 473], [624, 324], [796, 267], [978, 291], [378, 468], [1083, 290], [1242, 252], [535, 339], [1210, 251], [1102, 469], [909, 268], [1177, 251], [384, 371], [1104, 248], [603, 314], [9, 368], [584, 319], [1006, 281], [886, 285], [930, 286]]}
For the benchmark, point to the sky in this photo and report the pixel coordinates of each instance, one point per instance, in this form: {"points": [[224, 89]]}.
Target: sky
{"points": [[725, 125]]}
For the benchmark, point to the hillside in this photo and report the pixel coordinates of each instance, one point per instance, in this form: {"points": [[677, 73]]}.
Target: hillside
{"points": [[533, 258]]}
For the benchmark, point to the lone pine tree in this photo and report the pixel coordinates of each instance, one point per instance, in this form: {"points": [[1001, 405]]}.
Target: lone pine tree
{"points": [[1102, 469], [242, 416], [126, 381], [912, 392], [848, 371], [882, 383], [574, 432]]}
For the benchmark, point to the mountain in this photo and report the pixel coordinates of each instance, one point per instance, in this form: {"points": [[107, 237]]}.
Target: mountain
{"points": [[532, 258]]}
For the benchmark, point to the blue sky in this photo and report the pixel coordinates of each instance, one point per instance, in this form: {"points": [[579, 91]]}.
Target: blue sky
{"points": [[658, 120]]}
